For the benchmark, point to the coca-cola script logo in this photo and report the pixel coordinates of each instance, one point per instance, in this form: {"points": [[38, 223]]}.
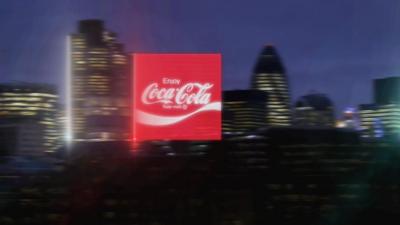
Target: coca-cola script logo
{"points": [[177, 96], [187, 94]]}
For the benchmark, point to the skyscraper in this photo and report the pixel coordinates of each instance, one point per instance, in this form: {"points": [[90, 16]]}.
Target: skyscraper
{"points": [[98, 98], [243, 110], [269, 75], [382, 118], [29, 111], [314, 110]]}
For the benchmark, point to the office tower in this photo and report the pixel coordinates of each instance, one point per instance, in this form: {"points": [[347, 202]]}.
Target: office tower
{"points": [[29, 111], [380, 120], [243, 110], [387, 90], [314, 110], [98, 98], [269, 75]]}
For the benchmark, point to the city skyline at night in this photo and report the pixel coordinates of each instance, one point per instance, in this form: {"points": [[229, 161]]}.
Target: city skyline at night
{"points": [[177, 112], [335, 48]]}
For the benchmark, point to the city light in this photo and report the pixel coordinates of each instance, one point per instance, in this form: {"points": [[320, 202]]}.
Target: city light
{"points": [[68, 100], [152, 128]]}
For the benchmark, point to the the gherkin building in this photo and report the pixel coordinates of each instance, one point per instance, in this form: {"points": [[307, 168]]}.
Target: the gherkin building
{"points": [[269, 75]]}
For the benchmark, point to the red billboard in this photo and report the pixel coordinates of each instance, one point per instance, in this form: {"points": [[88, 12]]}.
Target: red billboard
{"points": [[176, 97]]}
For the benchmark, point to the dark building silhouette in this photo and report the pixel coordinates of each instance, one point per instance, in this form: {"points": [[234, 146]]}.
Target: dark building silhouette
{"points": [[298, 136], [243, 110], [314, 110], [8, 140], [269, 75], [387, 90], [98, 98], [240, 181]]}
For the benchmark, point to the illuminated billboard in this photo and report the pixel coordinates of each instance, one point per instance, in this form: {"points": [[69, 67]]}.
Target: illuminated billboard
{"points": [[176, 97]]}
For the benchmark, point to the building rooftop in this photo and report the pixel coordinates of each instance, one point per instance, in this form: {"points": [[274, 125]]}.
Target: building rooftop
{"points": [[316, 101]]}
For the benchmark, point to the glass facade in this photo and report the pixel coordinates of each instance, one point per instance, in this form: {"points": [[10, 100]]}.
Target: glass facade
{"points": [[380, 120], [31, 110], [269, 75], [99, 93]]}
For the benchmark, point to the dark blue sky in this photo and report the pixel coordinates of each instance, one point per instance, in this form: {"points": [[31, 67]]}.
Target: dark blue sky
{"points": [[335, 47]]}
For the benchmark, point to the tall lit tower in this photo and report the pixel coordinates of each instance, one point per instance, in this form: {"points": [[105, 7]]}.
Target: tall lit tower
{"points": [[269, 75], [98, 98]]}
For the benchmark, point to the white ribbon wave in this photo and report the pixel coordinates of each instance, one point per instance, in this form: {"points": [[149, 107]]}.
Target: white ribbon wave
{"points": [[157, 120]]}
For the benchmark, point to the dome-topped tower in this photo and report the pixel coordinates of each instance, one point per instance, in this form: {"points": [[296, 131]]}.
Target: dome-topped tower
{"points": [[314, 110]]}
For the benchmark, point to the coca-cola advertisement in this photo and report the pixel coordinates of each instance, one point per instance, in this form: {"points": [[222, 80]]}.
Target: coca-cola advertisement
{"points": [[176, 97]]}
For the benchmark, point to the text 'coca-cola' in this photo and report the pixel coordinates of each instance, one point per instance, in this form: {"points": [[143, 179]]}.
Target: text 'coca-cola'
{"points": [[176, 97]]}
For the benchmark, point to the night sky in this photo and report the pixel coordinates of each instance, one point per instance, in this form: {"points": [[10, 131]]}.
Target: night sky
{"points": [[334, 47]]}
